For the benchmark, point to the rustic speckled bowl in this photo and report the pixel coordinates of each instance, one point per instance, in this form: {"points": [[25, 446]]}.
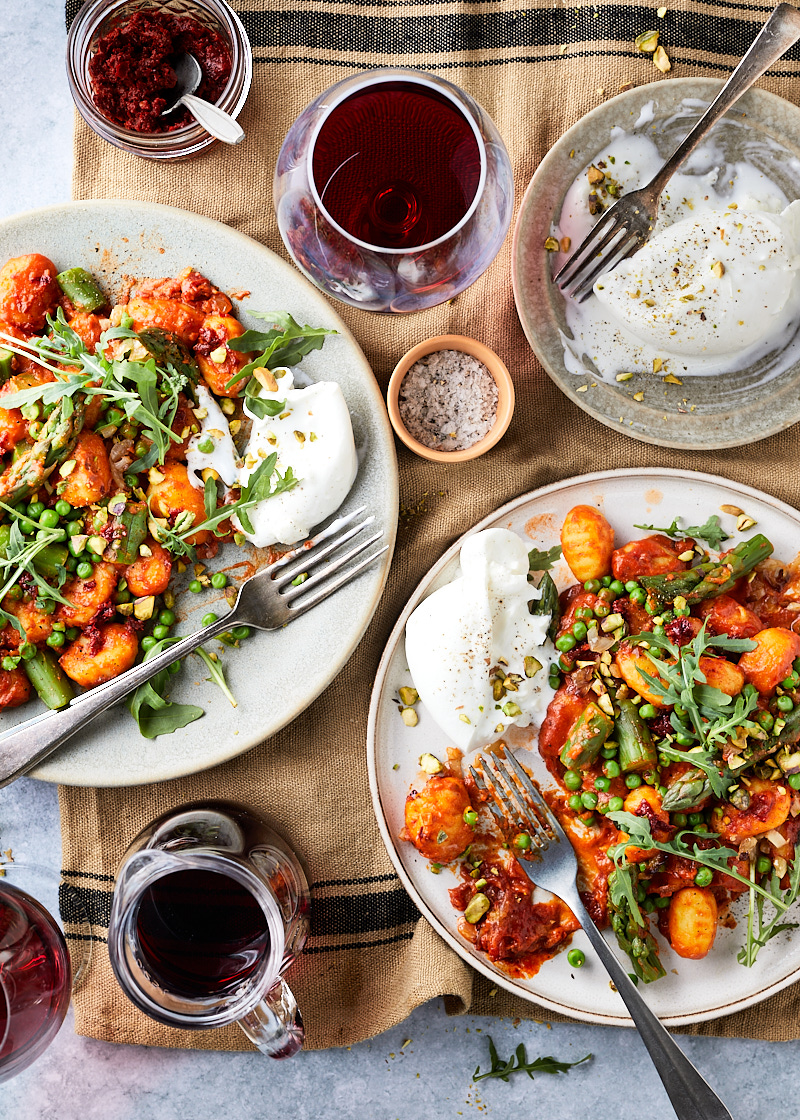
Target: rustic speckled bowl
{"points": [[705, 412], [505, 396], [274, 675]]}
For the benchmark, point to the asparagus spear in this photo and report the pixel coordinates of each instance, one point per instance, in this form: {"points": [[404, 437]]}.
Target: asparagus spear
{"points": [[80, 287], [49, 679], [636, 748], [56, 440], [585, 738], [636, 940], [706, 580], [686, 791]]}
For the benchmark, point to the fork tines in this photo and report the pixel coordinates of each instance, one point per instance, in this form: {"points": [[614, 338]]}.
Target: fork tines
{"points": [[517, 801], [310, 555]]}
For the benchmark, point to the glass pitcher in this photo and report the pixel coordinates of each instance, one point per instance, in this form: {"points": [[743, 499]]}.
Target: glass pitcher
{"points": [[211, 907]]}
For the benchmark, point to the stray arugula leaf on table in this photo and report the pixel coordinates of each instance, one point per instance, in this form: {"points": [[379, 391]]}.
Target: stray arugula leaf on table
{"points": [[543, 561], [503, 1070]]}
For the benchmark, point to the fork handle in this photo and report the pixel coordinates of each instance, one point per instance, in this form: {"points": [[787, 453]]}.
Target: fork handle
{"points": [[24, 746], [781, 30], [691, 1095]]}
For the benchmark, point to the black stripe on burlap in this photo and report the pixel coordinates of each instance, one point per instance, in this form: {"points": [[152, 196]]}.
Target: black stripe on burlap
{"points": [[593, 28], [333, 916]]}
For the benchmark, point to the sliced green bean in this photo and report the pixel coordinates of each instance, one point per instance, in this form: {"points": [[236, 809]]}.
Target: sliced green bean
{"points": [[82, 289], [49, 679]]}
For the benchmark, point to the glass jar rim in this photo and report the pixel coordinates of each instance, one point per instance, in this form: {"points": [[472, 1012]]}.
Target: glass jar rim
{"points": [[189, 139], [382, 77]]}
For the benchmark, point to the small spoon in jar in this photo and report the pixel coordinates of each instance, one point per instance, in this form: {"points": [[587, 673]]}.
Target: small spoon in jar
{"points": [[218, 123]]}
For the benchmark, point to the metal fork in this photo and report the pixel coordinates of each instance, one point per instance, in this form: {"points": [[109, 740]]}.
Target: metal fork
{"points": [[518, 804], [626, 226], [266, 601]]}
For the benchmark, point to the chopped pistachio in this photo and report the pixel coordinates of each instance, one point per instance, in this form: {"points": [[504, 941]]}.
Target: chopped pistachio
{"points": [[661, 61], [646, 42], [624, 377], [97, 545], [551, 245], [532, 666], [638, 396], [155, 476], [145, 550], [744, 523], [67, 468], [686, 556], [476, 908], [595, 175], [125, 608], [658, 365], [408, 696], [718, 268], [671, 379], [465, 718], [266, 380], [410, 718], [661, 12], [300, 437], [143, 607], [429, 762], [511, 709]]}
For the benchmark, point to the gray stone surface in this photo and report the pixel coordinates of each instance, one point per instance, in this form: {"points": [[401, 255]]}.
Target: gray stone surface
{"points": [[427, 1077]]}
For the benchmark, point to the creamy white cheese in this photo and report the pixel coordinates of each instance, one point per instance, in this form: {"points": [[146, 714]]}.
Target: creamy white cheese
{"points": [[311, 433], [459, 636]]}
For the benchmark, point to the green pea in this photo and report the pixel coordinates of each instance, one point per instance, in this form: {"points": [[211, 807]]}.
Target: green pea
{"points": [[704, 876], [148, 642], [617, 586], [14, 592], [679, 820], [48, 519], [63, 508], [633, 781], [606, 595], [602, 807], [647, 711], [122, 596], [522, 841], [565, 643], [56, 639], [667, 616], [84, 570], [663, 760], [796, 665], [784, 704], [578, 628], [575, 803], [650, 608], [27, 651], [573, 780], [638, 596], [9, 663], [219, 580], [73, 633], [662, 903], [240, 633], [649, 905], [602, 784], [684, 740], [602, 610], [160, 632], [141, 447], [610, 749], [195, 587], [35, 510], [701, 828], [589, 800], [593, 585], [576, 958], [682, 612], [70, 563], [765, 719], [606, 580], [632, 585], [565, 663], [794, 781], [615, 805], [470, 817], [114, 416], [74, 528], [129, 429], [206, 446], [611, 769], [763, 865], [166, 618], [207, 619], [585, 613]]}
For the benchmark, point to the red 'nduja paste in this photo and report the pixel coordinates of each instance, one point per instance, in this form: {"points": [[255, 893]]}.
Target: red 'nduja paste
{"points": [[131, 69]]}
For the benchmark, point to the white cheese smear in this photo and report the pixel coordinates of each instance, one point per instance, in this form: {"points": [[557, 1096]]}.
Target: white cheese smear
{"points": [[715, 289], [458, 637], [311, 433]]}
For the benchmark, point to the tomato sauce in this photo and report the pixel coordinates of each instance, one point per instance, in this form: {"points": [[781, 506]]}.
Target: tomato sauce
{"points": [[132, 75]]}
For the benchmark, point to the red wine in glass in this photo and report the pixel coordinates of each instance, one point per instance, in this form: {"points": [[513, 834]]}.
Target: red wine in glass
{"points": [[200, 932], [397, 165], [35, 980]]}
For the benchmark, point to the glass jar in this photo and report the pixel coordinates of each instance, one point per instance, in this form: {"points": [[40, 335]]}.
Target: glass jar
{"points": [[98, 17]]}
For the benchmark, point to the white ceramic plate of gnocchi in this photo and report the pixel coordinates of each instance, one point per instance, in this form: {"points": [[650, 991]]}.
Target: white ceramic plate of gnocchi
{"points": [[276, 675], [691, 991]]}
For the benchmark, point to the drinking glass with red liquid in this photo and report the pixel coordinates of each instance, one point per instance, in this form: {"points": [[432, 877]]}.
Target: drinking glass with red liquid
{"points": [[393, 190], [211, 906], [36, 973]]}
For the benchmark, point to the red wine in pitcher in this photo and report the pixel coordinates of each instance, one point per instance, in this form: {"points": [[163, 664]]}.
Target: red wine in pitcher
{"points": [[397, 164], [200, 932], [35, 979]]}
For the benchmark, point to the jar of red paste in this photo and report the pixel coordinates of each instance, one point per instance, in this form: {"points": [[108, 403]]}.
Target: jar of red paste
{"points": [[96, 28]]}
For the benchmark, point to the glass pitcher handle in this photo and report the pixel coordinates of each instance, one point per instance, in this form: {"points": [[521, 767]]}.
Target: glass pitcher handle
{"points": [[275, 1025]]}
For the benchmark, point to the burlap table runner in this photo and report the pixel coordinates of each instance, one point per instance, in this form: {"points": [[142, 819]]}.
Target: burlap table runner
{"points": [[536, 66]]}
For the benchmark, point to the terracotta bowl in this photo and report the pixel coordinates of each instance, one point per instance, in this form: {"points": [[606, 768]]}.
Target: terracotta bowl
{"points": [[498, 370]]}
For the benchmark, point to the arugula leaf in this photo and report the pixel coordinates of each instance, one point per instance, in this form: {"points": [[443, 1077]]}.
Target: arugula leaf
{"points": [[711, 531], [217, 674], [543, 561], [640, 836], [286, 344], [631, 929], [154, 714], [261, 406], [503, 1070], [780, 903]]}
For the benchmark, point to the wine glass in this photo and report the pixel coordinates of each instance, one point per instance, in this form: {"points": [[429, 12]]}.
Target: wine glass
{"points": [[37, 972], [393, 190]]}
